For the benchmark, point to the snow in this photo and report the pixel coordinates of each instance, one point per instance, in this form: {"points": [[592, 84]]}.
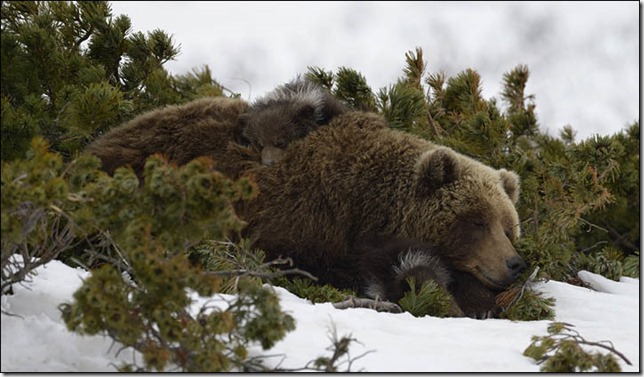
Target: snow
{"points": [[38, 341]]}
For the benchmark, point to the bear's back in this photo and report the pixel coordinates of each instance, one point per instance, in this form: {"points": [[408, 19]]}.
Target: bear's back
{"points": [[339, 183], [203, 127], [363, 163]]}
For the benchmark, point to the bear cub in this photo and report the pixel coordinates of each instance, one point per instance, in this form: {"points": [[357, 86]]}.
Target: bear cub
{"points": [[386, 263], [288, 113]]}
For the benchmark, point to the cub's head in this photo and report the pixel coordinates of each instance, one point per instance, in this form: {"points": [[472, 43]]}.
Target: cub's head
{"points": [[272, 128], [288, 113], [467, 209]]}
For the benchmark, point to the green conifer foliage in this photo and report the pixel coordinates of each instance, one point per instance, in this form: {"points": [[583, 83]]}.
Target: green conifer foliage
{"points": [[198, 83], [154, 226], [315, 293], [631, 265], [426, 299], [42, 64], [520, 115], [561, 352], [404, 103], [216, 256], [351, 86], [141, 296], [347, 84], [618, 224], [530, 306], [71, 71], [321, 77], [609, 262], [38, 212], [403, 106]]}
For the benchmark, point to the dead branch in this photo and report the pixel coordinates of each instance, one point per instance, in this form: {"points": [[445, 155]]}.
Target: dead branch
{"points": [[377, 305]]}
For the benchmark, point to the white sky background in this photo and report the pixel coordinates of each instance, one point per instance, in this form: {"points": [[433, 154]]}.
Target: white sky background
{"points": [[583, 56]]}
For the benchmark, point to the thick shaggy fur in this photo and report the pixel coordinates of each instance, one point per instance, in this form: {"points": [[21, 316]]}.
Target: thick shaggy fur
{"points": [[348, 180], [384, 264], [288, 113], [204, 127]]}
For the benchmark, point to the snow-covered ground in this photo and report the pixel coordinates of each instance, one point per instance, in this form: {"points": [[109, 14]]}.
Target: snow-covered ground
{"points": [[38, 341]]}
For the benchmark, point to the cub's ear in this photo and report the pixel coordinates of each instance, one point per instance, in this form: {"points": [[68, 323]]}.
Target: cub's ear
{"points": [[240, 132], [305, 111], [242, 119], [436, 168], [511, 185], [330, 109]]}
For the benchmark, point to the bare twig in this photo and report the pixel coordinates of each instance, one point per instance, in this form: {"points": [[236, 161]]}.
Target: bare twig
{"points": [[581, 340], [594, 246], [556, 337], [260, 271], [512, 296], [380, 306], [620, 238]]}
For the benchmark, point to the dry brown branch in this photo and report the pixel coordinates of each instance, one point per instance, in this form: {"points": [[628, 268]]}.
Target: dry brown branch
{"points": [[377, 305]]}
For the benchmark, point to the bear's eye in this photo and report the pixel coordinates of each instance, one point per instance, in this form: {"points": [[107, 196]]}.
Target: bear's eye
{"points": [[479, 224]]}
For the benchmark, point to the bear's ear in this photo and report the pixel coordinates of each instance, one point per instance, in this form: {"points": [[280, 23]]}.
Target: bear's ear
{"points": [[510, 181], [436, 168]]}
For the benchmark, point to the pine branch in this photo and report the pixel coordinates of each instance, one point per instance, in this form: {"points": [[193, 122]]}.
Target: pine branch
{"points": [[509, 297], [620, 238], [264, 275], [561, 352]]}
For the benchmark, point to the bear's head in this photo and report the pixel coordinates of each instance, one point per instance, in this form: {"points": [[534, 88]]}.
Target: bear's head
{"points": [[468, 210]]}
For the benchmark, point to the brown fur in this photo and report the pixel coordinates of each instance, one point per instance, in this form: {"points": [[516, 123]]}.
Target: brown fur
{"points": [[379, 266], [384, 266], [473, 298], [347, 181], [287, 114], [203, 127]]}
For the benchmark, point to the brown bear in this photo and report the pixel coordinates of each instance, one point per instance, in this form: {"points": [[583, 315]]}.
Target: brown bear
{"points": [[203, 127], [285, 114], [347, 181]]}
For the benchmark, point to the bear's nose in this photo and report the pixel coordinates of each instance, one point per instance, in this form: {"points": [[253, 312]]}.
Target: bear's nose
{"points": [[516, 265]]}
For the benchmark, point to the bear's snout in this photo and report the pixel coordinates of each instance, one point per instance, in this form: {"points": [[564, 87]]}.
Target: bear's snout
{"points": [[271, 155], [516, 266]]}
